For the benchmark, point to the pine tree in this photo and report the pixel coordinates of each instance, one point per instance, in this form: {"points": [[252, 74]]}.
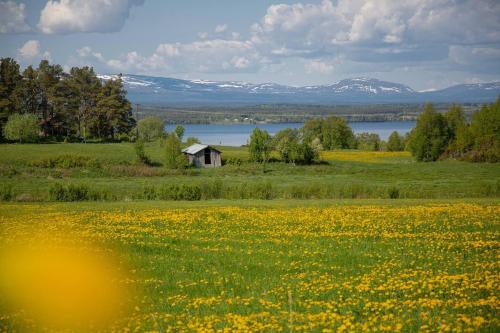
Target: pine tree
{"points": [[9, 79], [113, 110], [48, 77], [87, 86], [28, 93]]}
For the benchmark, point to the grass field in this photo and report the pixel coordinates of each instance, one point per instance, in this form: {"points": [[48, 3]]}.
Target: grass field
{"points": [[342, 174], [282, 265]]}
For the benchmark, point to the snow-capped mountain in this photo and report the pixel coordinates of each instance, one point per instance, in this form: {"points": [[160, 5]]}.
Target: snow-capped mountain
{"points": [[162, 90]]}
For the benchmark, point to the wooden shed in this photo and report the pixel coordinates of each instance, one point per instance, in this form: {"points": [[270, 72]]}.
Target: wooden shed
{"points": [[203, 156]]}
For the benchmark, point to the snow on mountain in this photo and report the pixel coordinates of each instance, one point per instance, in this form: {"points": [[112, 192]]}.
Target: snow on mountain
{"points": [[162, 90]]}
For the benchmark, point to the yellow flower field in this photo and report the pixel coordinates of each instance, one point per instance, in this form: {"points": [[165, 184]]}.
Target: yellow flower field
{"points": [[364, 156], [387, 267]]}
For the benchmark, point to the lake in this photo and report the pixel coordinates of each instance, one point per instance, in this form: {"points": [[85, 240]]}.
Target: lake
{"points": [[238, 134]]}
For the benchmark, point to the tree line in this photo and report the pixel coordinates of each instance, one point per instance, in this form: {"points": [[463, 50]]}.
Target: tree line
{"points": [[449, 135], [303, 145], [435, 136], [47, 102]]}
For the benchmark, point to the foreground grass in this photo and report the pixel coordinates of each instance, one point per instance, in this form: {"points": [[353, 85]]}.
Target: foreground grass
{"points": [[342, 174], [358, 265]]}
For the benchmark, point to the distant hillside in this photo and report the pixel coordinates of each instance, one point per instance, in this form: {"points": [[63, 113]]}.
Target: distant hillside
{"points": [[171, 91]]}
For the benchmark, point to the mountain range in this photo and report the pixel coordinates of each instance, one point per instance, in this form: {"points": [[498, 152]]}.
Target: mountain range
{"points": [[170, 91]]}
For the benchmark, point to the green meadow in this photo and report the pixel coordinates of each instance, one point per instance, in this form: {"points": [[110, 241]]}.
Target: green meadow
{"points": [[109, 172]]}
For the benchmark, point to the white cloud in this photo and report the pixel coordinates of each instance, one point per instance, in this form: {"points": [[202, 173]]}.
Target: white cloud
{"points": [[70, 16], [207, 56], [351, 26], [479, 59], [220, 28], [203, 35], [31, 52], [85, 56], [13, 17], [318, 66], [346, 37]]}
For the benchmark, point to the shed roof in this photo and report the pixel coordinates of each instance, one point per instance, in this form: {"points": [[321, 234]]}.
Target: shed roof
{"points": [[193, 149], [197, 147]]}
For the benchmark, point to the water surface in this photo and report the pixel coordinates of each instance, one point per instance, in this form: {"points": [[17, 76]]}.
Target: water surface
{"points": [[239, 134]]}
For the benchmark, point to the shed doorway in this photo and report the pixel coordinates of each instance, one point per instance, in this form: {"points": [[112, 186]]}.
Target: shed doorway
{"points": [[208, 158]]}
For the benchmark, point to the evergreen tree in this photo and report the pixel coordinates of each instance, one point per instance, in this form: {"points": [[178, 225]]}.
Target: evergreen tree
{"points": [[113, 111], [48, 77], [9, 79], [28, 93], [87, 85], [66, 103]]}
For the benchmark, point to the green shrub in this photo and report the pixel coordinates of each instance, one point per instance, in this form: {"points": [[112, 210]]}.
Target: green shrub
{"points": [[393, 193], [78, 192], [6, 192], [233, 161], [58, 192], [66, 161], [186, 192], [262, 191], [22, 128], [151, 128], [212, 190], [140, 152]]}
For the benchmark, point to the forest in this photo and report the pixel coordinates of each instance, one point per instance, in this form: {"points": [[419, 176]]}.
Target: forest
{"points": [[73, 106]]}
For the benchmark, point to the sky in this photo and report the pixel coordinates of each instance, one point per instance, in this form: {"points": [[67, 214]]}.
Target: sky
{"points": [[425, 44]]}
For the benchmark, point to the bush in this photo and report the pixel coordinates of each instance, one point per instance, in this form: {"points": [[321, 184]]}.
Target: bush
{"points": [[66, 161], [186, 192], [22, 128], [151, 128], [172, 151], [393, 193], [58, 192], [262, 191], [336, 134], [6, 192], [260, 146], [395, 142], [233, 161], [179, 131], [192, 140], [140, 152], [77, 192], [212, 190], [368, 141]]}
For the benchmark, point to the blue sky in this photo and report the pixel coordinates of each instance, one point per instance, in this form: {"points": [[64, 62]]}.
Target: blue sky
{"points": [[424, 44]]}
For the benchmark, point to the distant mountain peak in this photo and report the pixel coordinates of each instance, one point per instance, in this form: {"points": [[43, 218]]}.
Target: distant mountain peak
{"points": [[358, 90]]}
